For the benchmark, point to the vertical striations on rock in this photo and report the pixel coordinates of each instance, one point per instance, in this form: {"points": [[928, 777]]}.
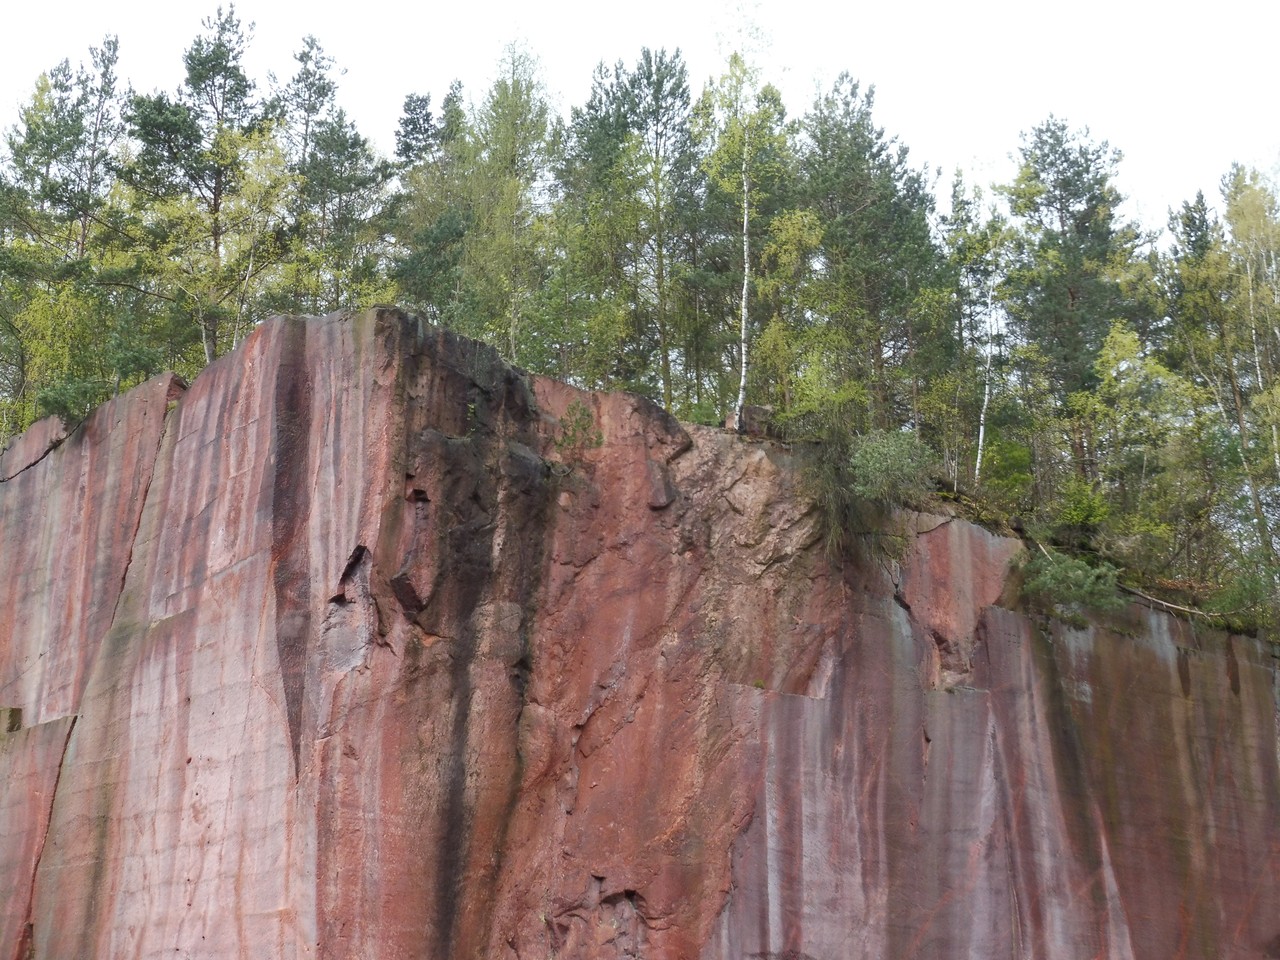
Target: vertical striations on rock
{"points": [[368, 645], [69, 511]]}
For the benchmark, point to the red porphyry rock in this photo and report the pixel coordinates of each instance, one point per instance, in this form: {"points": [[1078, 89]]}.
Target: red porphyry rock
{"points": [[29, 763], [69, 508], [377, 647]]}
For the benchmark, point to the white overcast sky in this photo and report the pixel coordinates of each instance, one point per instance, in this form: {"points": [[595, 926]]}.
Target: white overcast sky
{"points": [[1182, 90]]}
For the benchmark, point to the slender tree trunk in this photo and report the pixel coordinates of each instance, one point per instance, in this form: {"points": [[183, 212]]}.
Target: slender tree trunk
{"points": [[660, 277], [244, 295], [915, 380], [209, 325], [664, 332], [204, 337], [746, 281], [90, 178], [514, 310], [1079, 453], [1259, 514], [511, 355], [982, 418]]}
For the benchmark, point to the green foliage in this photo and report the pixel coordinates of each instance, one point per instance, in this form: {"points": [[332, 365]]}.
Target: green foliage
{"points": [[578, 429], [746, 157], [1068, 587], [891, 468], [1079, 511], [857, 482], [704, 251], [1249, 600], [628, 175], [209, 180], [418, 133], [1007, 478], [826, 481], [69, 400], [876, 257], [1063, 289]]}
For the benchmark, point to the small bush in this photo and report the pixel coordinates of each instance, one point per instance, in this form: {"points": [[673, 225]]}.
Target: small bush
{"points": [[891, 468], [1007, 478], [858, 481], [70, 400], [1068, 587], [1249, 601], [578, 429]]}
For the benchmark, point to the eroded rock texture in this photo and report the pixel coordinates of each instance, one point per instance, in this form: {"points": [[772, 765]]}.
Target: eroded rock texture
{"points": [[368, 646]]}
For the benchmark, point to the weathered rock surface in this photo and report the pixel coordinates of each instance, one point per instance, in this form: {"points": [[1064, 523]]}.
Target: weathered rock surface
{"points": [[353, 650]]}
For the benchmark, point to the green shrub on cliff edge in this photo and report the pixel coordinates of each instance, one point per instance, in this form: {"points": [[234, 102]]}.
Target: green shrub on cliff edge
{"points": [[858, 481], [891, 468], [1068, 587], [1249, 602]]}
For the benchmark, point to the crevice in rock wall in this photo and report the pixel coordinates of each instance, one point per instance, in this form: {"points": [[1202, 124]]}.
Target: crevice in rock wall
{"points": [[27, 946], [615, 925], [175, 390], [33, 463], [358, 561], [953, 662], [351, 621]]}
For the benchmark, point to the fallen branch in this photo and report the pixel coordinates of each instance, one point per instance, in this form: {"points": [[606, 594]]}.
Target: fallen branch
{"points": [[1171, 606], [1167, 605]]}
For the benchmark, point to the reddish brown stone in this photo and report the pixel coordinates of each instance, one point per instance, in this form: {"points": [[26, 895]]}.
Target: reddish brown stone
{"points": [[369, 660], [29, 762], [69, 508]]}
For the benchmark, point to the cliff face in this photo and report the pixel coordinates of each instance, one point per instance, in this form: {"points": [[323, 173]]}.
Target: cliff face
{"points": [[366, 646]]}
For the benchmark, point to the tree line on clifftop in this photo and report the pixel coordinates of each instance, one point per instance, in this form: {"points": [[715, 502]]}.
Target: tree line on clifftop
{"points": [[1029, 348]]}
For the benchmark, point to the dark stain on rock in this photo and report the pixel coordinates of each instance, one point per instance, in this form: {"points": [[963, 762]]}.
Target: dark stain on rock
{"points": [[467, 479], [290, 507], [1184, 671], [1233, 668]]}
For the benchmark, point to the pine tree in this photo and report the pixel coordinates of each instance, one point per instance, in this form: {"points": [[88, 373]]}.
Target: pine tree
{"points": [[874, 323], [213, 182], [1069, 254], [1063, 289]]}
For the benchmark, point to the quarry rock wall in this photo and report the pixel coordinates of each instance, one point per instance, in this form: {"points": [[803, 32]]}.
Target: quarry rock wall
{"points": [[367, 645]]}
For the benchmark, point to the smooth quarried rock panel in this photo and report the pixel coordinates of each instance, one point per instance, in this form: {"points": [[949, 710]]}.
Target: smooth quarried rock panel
{"points": [[1080, 794], [29, 448], [30, 760], [69, 508], [401, 653], [1174, 732], [181, 815]]}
